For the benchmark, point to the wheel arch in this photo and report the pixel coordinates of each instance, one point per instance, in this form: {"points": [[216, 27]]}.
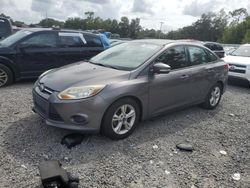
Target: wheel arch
{"points": [[136, 99], [8, 63]]}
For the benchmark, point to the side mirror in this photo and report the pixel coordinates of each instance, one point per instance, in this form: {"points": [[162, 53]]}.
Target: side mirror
{"points": [[161, 68]]}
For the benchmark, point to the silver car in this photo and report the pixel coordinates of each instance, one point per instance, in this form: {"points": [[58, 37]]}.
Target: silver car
{"points": [[115, 90]]}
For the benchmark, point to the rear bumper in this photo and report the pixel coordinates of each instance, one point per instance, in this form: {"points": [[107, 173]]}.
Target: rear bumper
{"points": [[58, 113]]}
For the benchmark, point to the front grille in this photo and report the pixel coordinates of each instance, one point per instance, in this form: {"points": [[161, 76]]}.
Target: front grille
{"points": [[41, 104], [236, 65], [45, 109], [45, 89], [237, 68], [53, 115], [238, 71]]}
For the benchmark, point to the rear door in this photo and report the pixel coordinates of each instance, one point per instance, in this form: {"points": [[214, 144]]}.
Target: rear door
{"points": [[72, 48], [202, 69], [94, 45], [37, 53]]}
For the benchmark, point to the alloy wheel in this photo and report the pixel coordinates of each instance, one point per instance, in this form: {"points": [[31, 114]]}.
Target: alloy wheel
{"points": [[123, 119], [215, 96], [3, 77]]}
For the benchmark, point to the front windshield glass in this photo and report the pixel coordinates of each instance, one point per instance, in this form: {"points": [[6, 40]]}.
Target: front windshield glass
{"points": [[242, 51], [126, 56], [15, 37]]}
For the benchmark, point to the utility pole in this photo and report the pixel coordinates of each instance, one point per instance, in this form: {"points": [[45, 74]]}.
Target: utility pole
{"points": [[160, 29]]}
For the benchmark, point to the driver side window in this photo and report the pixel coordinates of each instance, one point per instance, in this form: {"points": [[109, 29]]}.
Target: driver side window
{"points": [[43, 40], [175, 57]]}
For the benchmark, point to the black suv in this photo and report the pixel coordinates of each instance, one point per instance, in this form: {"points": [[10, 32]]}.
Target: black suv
{"points": [[216, 48], [5, 27], [30, 52]]}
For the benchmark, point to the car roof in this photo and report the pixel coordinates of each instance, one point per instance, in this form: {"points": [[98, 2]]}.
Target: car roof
{"points": [[165, 42], [35, 29]]}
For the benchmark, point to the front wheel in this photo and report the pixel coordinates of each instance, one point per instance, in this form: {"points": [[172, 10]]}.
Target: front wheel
{"points": [[213, 98], [6, 76], [121, 119]]}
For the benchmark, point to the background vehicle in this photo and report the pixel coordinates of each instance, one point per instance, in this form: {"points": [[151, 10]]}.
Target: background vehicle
{"points": [[239, 63], [5, 28], [30, 52], [213, 46], [216, 48], [127, 83]]}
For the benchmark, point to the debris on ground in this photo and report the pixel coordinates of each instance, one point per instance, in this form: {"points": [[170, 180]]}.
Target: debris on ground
{"points": [[167, 172], [222, 152], [155, 147], [54, 176], [236, 176], [185, 146], [232, 115], [23, 166], [72, 140], [151, 161]]}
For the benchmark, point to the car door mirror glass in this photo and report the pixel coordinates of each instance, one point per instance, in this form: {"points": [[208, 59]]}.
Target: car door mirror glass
{"points": [[161, 68]]}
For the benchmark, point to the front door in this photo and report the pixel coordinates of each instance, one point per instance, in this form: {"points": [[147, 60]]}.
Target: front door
{"points": [[173, 89], [37, 54]]}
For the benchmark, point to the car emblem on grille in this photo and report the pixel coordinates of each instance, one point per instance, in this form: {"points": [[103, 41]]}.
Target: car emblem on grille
{"points": [[41, 87], [232, 67]]}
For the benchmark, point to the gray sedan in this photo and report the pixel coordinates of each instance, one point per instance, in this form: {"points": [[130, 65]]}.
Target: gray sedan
{"points": [[129, 83]]}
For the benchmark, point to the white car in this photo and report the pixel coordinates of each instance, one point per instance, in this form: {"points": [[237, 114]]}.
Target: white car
{"points": [[239, 63]]}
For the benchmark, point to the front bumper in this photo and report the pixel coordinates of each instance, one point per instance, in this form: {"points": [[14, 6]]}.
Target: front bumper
{"points": [[240, 76], [60, 113]]}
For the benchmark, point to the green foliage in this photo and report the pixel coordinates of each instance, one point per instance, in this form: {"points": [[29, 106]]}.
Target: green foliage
{"points": [[233, 27], [237, 33], [49, 22]]}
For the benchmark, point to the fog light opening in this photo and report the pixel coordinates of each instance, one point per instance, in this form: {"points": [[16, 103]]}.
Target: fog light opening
{"points": [[79, 119]]}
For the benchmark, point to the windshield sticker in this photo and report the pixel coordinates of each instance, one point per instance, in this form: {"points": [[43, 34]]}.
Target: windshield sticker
{"points": [[27, 32], [73, 35]]}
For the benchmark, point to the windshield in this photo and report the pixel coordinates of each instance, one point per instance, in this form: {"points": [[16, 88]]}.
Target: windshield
{"points": [[14, 38], [126, 56], [242, 51]]}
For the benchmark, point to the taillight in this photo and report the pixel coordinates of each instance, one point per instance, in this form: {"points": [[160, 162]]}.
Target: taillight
{"points": [[226, 67]]}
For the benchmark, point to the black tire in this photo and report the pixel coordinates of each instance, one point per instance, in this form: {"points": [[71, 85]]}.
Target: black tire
{"points": [[207, 104], [107, 123], [9, 78]]}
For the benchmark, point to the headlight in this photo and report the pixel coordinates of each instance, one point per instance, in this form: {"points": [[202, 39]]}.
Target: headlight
{"points": [[46, 72], [80, 92]]}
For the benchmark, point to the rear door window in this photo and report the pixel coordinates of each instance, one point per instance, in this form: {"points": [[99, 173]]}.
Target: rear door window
{"points": [[71, 40], [93, 41], [197, 55]]}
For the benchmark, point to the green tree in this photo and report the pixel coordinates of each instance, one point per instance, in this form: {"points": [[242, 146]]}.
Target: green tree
{"points": [[124, 27], [49, 22], [238, 15]]}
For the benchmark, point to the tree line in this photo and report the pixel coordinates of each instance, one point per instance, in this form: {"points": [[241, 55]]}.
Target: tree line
{"points": [[231, 27]]}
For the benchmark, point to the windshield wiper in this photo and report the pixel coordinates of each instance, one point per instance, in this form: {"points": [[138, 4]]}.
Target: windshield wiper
{"points": [[104, 65]]}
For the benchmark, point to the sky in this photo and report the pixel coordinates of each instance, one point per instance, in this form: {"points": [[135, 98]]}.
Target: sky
{"points": [[173, 13]]}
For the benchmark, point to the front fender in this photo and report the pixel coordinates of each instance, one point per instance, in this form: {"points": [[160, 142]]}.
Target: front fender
{"points": [[11, 65]]}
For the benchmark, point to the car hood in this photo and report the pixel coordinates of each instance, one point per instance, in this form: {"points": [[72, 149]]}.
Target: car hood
{"points": [[237, 60], [82, 74]]}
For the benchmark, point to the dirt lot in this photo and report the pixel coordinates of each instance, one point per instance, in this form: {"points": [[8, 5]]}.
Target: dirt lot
{"points": [[25, 141]]}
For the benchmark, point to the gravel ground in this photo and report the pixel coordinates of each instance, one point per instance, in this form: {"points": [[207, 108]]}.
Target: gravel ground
{"points": [[25, 141]]}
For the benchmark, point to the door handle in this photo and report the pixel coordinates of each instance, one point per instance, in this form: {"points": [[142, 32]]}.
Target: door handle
{"points": [[185, 76], [210, 70]]}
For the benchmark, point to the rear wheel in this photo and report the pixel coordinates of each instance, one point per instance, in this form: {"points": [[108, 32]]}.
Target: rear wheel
{"points": [[6, 76], [121, 119], [213, 98]]}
